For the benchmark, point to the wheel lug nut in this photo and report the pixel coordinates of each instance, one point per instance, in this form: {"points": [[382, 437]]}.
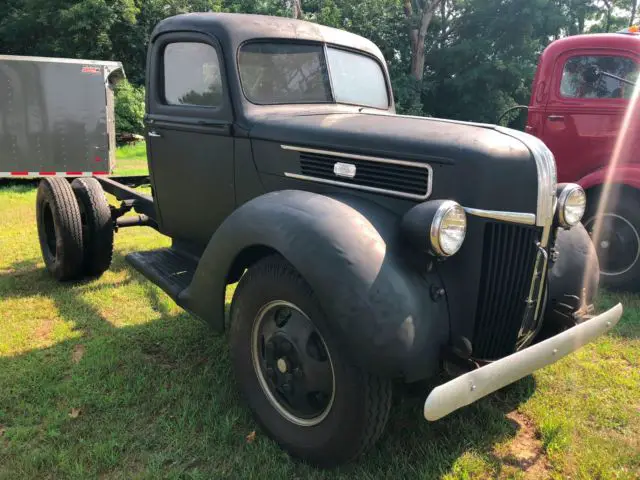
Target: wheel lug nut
{"points": [[270, 371], [286, 388], [298, 373], [288, 377]]}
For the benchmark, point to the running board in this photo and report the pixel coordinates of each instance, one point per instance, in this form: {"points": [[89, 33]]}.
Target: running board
{"points": [[167, 268]]}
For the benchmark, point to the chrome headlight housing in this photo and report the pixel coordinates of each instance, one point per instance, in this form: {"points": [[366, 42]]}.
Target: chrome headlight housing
{"points": [[572, 203], [448, 229]]}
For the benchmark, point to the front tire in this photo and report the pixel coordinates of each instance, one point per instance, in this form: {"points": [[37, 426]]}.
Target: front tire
{"points": [[618, 246], [298, 380]]}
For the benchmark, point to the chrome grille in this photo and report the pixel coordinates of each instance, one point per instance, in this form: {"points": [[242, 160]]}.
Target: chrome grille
{"points": [[508, 263]]}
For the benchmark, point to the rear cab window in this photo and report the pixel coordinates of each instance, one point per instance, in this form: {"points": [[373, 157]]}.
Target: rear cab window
{"points": [[573, 83]]}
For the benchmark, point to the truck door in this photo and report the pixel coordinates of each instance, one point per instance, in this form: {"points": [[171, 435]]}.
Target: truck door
{"points": [[190, 147], [583, 118]]}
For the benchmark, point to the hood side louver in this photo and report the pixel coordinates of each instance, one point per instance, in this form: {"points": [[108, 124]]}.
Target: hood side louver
{"points": [[398, 178]]}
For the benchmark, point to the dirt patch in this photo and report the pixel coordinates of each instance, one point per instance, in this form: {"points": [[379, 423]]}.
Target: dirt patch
{"points": [[78, 353], [43, 332], [525, 452]]}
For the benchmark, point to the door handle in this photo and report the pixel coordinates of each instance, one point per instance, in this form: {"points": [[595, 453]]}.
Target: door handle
{"points": [[154, 134], [556, 118]]}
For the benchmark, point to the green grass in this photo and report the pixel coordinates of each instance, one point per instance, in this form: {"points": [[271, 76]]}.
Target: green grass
{"points": [[131, 160], [110, 379]]}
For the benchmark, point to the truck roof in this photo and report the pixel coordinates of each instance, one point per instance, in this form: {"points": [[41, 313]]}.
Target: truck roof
{"points": [[233, 29], [594, 40]]}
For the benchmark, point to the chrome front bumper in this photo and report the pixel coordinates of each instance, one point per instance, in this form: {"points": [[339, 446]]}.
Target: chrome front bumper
{"points": [[472, 386]]}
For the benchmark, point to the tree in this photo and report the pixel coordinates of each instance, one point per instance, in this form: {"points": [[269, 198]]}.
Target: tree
{"points": [[419, 14], [129, 108], [466, 59], [297, 8]]}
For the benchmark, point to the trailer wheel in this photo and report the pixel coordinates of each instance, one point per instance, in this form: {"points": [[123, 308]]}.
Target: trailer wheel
{"points": [[59, 228], [618, 246], [97, 225], [299, 381]]}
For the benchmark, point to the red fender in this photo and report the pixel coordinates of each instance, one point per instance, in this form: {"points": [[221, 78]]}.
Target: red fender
{"points": [[624, 175]]}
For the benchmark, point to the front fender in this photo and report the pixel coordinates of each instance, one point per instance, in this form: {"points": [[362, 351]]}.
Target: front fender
{"points": [[349, 252], [573, 277]]}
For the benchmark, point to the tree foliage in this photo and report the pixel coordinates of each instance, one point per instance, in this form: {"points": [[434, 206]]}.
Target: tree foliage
{"points": [[466, 59], [129, 108]]}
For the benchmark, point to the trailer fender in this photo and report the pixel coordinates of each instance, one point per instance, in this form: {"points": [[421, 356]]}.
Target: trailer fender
{"points": [[378, 304]]}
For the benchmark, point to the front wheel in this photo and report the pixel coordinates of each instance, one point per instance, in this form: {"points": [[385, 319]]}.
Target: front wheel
{"points": [[618, 245], [298, 380]]}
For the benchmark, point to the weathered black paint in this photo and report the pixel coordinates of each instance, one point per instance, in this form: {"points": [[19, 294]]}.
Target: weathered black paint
{"points": [[219, 178], [232, 30], [570, 273], [347, 249]]}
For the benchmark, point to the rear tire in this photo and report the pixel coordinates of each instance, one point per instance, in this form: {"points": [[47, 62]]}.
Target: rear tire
{"points": [[59, 228], [618, 247], [325, 428], [97, 226]]}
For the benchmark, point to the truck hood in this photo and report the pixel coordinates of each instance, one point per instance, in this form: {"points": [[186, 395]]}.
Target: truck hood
{"points": [[475, 164]]}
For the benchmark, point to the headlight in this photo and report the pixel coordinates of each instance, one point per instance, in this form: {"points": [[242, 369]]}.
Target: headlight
{"points": [[572, 202], [448, 228]]}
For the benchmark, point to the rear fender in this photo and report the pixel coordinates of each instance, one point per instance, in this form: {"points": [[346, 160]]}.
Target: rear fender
{"points": [[378, 305], [625, 175]]}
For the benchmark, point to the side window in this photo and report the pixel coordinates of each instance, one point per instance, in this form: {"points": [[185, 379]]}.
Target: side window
{"points": [[579, 81], [192, 75]]}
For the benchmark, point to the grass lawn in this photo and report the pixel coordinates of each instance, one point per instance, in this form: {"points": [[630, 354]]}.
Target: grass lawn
{"points": [[131, 160], [110, 379]]}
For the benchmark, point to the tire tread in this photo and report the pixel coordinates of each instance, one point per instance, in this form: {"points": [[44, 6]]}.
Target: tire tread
{"points": [[377, 391], [65, 208], [98, 245]]}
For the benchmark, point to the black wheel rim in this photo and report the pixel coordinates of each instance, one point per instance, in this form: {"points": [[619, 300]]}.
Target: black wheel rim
{"points": [[618, 247], [49, 230], [292, 363]]}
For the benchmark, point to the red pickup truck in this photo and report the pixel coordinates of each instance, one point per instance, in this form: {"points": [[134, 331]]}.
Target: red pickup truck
{"points": [[584, 108]]}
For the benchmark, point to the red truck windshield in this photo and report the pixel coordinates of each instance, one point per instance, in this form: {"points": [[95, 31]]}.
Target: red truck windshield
{"points": [[282, 73]]}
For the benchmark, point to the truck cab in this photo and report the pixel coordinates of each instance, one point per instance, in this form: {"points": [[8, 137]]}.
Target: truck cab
{"points": [[583, 108], [367, 247]]}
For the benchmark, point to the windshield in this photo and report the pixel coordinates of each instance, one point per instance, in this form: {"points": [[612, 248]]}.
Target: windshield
{"points": [[281, 73]]}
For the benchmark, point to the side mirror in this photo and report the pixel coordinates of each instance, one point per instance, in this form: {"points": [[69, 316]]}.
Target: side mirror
{"points": [[591, 74]]}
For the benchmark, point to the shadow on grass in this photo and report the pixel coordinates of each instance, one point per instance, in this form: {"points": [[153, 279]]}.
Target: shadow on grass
{"points": [[158, 400]]}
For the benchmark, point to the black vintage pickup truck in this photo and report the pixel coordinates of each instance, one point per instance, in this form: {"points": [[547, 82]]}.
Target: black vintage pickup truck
{"points": [[369, 247]]}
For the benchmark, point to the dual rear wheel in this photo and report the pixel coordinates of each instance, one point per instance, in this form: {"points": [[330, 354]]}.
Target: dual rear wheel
{"points": [[75, 228]]}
